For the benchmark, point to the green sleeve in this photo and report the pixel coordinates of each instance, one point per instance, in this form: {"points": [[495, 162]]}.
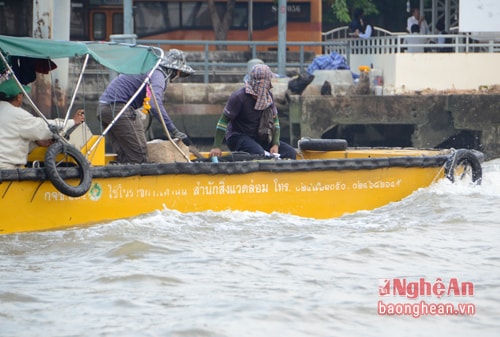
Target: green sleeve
{"points": [[220, 130], [277, 131]]}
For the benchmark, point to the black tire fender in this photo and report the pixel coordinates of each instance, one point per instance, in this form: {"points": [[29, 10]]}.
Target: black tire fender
{"points": [[322, 144], [466, 158], [55, 178]]}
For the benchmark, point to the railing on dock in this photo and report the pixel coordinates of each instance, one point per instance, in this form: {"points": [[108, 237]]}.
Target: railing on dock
{"points": [[336, 40], [211, 64], [387, 42]]}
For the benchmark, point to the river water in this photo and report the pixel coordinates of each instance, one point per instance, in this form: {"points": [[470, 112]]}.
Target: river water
{"points": [[257, 275]]}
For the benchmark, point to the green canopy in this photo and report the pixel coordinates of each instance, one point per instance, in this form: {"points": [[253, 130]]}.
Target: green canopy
{"points": [[125, 59]]}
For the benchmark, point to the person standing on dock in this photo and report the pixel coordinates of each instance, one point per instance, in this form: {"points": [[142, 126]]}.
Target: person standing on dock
{"points": [[417, 19], [415, 41]]}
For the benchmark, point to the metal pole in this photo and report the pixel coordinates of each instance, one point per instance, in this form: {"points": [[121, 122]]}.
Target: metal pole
{"points": [[434, 17], [447, 17], [250, 20], [128, 24], [281, 37]]}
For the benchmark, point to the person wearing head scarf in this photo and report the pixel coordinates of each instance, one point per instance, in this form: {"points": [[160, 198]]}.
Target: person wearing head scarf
{"points": [[127, 135], [249, 122], [19, 128]]}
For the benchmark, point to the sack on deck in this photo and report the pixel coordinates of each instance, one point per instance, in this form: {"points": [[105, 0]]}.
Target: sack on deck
{"points": [[163, 151]]}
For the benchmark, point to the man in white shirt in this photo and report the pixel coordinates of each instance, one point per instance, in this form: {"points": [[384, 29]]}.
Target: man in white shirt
{"points": [[19, 128], [416, 19]]}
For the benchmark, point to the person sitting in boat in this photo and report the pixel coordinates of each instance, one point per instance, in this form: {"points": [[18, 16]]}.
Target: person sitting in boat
{"points": [[250, 121], [127, 135], [19, 128]]}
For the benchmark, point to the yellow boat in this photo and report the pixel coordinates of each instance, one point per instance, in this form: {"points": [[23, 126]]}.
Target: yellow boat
{"points": [[73, 183]]}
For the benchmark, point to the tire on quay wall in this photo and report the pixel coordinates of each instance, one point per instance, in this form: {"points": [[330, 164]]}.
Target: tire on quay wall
{"points": [[55, 178], [468, 160]]}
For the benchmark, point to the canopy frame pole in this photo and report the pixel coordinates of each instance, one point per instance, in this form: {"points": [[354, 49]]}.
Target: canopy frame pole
{"points": [[78, 83]]}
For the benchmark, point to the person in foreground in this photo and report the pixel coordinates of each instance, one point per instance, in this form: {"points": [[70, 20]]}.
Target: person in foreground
{"points": [[247, 111], [20, 129], [127, 134]]}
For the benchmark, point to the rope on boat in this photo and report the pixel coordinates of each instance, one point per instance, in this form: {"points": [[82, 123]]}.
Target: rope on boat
{"points": [[162, 120]]}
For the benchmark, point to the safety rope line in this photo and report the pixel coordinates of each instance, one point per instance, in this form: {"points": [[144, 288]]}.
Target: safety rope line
{"points": [[162, 120]]}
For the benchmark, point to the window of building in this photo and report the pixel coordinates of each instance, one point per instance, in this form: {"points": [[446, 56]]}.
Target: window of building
{"points": [[16, 18], [77, 23], [99, 26], [117, 23], [156, 17]]}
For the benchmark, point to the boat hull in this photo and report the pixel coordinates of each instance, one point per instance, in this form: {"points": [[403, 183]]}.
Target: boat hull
{"points": [[316, 193]]}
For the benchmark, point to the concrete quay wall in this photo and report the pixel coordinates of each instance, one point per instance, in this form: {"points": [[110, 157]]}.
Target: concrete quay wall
{"points": [[430, 120]]}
